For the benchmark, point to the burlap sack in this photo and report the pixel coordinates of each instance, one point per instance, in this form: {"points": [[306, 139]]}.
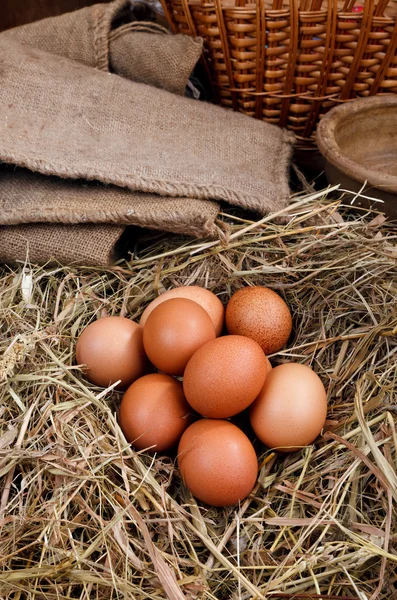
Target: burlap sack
{"points": [[61, 118], [143, 52], [148, 53], [82, 35], [30, 197], [90, 245]]}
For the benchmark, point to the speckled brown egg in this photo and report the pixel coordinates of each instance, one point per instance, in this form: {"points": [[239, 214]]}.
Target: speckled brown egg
{"points": [[261, 314], [154, 412], [217, 462], [202, 296], [291, 409], [112, 349], [174, 331], [223, 377]]}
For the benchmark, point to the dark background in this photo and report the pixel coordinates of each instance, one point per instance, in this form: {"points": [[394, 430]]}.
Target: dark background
{"points": [[19, 12]]}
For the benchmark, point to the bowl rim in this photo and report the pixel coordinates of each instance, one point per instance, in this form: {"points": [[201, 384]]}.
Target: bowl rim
{"points": [[332, 152]]}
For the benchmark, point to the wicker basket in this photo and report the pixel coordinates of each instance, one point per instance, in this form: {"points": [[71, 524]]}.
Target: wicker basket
{"points": [[289, 62]]}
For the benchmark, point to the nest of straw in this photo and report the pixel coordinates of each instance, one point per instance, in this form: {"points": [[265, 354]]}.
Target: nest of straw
{"points": [[82, 515]]}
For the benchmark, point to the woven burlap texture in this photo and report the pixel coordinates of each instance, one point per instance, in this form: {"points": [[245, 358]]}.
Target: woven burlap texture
{"points": [[148, 53], [79, 122], [82, 35], [25, 195], [90, 245], [144, 51]]}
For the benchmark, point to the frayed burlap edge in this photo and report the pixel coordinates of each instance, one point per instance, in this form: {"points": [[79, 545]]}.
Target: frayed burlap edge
{"points": [[138, 183], [174, 222]]}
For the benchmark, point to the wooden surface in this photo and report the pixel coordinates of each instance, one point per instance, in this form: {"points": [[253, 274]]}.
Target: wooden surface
{"points": [[19, 12]]}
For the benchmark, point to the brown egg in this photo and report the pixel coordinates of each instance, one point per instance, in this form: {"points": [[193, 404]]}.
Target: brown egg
{"points": [[259, 313], [223, 377], [112, 349], [174, 331], [269, 366], [154, 412], [291, 409], [205, 298], [217, 462]]}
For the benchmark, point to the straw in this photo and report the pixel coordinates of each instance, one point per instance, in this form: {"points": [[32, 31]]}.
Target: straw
{"points": [[83, 515]]}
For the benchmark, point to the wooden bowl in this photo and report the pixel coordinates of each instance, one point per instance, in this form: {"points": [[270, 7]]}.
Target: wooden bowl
{"points": [[358, 140]]}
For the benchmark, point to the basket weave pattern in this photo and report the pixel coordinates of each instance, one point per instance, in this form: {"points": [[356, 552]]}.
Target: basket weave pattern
{"points": [[289, 62]]}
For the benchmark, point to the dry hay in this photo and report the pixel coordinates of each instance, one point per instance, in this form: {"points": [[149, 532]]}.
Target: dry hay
{"points": [[82, 515]]}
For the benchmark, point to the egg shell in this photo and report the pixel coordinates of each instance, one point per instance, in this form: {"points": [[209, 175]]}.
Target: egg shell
{"points": [[174, 331], [224, 376], [207, 300], [154, 413], [112, 349], [291, 409], [217, 462], [261, 314]]}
